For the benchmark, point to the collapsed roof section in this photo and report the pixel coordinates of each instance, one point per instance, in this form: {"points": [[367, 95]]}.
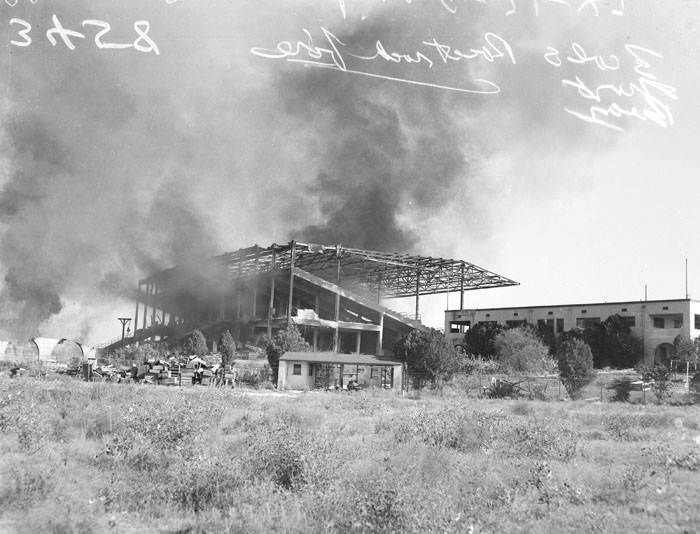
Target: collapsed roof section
{"points": [[385, 274]]}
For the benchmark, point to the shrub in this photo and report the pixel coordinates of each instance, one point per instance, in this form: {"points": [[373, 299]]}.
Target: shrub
{"points": [[521, 351], [479, 366], [660, 376], [612, 343], [196, 343], [451, 428], [480, 339], [25, 484], [286, 340], [227, 347], [500, 389], [168, 427], [575, 361], [545, 440], [622, 387], [428, 356]]}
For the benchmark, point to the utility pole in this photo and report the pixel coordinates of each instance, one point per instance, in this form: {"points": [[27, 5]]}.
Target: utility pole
{"points": [[124, 321]]}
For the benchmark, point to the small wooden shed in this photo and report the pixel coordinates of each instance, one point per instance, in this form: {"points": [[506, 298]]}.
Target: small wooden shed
{"points": [[332, 370]]}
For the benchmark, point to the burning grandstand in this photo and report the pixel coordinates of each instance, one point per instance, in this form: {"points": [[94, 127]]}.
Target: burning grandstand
{"points": [[333, 294]]}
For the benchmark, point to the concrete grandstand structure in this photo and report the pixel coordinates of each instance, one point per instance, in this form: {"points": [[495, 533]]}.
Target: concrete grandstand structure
{"points": [[334, 294], [656, 322]]}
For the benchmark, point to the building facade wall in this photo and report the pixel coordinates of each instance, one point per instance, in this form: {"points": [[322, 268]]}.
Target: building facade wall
{"points": [[286, 379], [656, 323]]}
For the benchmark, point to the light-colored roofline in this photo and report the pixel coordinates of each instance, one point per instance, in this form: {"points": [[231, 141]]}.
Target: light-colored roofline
{"points": [[337, 357], [575, 305]]}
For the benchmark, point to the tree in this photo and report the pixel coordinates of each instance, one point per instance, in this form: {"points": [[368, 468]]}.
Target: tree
{"points": [[286, 340], [428, 356], [520, 350], [479, 339], [612, 343], [660, 377], [684, 347], [196, 343], [227, 346], [575, 362]]}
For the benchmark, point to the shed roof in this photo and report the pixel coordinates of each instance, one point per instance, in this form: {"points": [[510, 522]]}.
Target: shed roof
{"points": [[335, 357]]}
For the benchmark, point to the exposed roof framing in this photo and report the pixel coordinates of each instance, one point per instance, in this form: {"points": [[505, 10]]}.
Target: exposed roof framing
{"points": [[390, 274]]}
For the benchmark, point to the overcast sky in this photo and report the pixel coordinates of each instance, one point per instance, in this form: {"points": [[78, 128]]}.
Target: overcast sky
{"points": [[454, 128]]}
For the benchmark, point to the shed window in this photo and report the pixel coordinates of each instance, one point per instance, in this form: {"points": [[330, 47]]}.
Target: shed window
{"points": [[697, 322], [678, 323], [311, 370], [297, 369], [658, 322]]}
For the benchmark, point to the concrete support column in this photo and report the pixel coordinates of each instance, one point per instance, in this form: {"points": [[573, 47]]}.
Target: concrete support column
{"points": [[290, 304], [315, 344], [272, 294], [146, 300], [138, 301], [380, 335], [336, 336], [254, 305], [238, 301], [461, 287], [154, 288], [254, 310], [358, 342], [417, 294], [238, 290]]}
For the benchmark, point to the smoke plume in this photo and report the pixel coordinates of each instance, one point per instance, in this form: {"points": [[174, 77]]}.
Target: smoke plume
{"points": [[115, 164]]}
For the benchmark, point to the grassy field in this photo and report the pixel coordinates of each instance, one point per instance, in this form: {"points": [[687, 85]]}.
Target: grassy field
{"points": [[92, 457]]}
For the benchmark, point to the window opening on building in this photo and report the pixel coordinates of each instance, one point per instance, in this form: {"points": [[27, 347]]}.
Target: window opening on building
{"points": [[587, 322], [459, 327]]}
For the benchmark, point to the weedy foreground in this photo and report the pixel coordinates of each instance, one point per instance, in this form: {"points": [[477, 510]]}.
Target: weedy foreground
{"points": [[94, 457]]}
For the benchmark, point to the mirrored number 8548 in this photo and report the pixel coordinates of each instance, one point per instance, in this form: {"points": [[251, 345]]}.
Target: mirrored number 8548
{"points": [[142, 43]]}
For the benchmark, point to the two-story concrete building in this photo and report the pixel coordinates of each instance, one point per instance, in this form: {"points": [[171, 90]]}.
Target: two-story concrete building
{"points": [[655, 322]]}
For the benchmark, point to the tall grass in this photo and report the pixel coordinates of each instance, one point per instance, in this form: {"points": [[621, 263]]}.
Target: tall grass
{"points": [[81, 457]]}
